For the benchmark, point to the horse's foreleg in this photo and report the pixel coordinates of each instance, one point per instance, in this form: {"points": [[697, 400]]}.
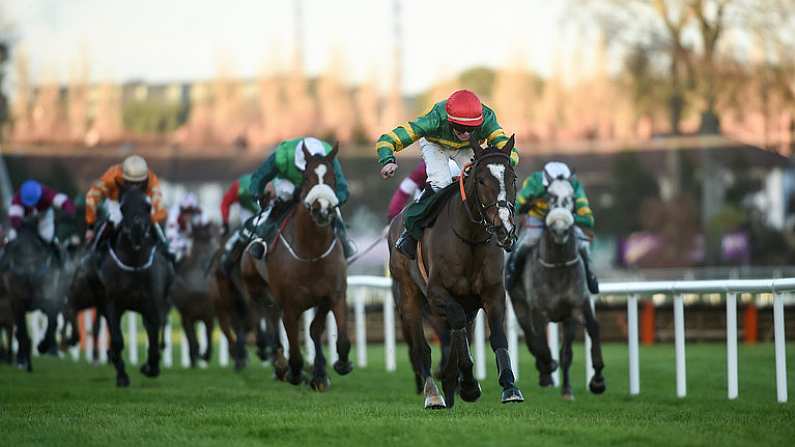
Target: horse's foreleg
{"points": [[569, 331], [537, 338], [23, 340], [495, 312], [95, 334], [208, 353], [343, 365], [456, 322], [113, 317], [296, 362], [152, 325], [320, 380], [597, 383], [189, 326], [47, 345]]}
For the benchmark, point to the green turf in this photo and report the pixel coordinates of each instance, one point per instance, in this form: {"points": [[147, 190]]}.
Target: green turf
{"points": [[67, 403]]}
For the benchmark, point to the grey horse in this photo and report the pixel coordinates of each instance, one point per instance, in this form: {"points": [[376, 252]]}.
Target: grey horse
{"points": [[553, 288]]}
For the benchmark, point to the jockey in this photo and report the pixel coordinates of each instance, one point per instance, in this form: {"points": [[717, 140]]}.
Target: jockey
{"points": [[239, 193], [133, 172], [35, 199], [178, 225], [444, 133], [284, 168], [531, 200]]}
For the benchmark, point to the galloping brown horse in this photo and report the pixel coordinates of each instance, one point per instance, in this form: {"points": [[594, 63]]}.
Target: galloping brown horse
{"points": [[190, 292], [462, 254], [306, 268]]}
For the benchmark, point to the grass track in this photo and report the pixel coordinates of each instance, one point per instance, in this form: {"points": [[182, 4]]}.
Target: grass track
{"points": [[67, 403]]}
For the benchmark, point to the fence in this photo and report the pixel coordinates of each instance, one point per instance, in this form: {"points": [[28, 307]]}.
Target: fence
{"points": [[360, 285]]}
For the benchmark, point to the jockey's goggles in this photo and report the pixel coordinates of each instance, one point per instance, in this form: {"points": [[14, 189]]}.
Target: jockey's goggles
{"points": [[463, 129]]}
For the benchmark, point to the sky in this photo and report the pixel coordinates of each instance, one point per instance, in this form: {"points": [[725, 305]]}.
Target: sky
{"points": [[169, 40]]}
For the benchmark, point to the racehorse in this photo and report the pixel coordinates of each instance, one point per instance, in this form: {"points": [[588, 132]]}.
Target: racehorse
{"points": [[190, 292], [553, 288], [135, 276], [238, 313], [459, 271], [305, 267], [31, 280]]}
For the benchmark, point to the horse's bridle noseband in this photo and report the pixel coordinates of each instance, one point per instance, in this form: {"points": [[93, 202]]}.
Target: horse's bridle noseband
{"points": [[490, 228]]}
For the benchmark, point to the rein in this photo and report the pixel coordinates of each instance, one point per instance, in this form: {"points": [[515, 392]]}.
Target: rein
{"points": [[280, 236], [490, 229], [558, 265], [129, 268]]}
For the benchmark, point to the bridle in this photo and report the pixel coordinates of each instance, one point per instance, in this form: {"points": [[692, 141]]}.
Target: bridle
{"points": [[481, 208]]}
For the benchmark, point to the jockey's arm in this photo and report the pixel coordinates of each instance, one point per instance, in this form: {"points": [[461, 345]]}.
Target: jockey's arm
{"points": [[230, 197], [404, 135], [99, 190], [159, 212], [16, 212], [532, 189], [583, 215], [342, 183], [262, 176], [495, 136]]}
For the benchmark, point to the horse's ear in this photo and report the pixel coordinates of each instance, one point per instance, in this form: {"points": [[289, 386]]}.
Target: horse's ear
{"points": [[307, 155], [509, 145], [333, 154], [475, 144]]}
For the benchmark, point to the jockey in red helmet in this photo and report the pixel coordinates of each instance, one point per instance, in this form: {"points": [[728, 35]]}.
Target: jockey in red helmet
{"points": [[444, 134]]}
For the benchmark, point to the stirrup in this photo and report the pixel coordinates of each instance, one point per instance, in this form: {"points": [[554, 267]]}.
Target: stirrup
{"points": [[258, 248], [407, 245]]}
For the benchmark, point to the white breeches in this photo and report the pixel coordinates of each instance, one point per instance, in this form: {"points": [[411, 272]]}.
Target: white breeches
{"points": [[441, 163], [283, 189]]}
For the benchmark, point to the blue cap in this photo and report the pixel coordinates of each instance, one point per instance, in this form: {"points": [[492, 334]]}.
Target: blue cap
{"points": [[30, 192]]}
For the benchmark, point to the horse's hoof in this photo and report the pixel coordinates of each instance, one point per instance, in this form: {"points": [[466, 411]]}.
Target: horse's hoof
{"points": [[150, 371], [568, 396], [43, 347], [545, 380], [25, 366], [434, 402], [597, 386], [343, 368], [320, 384], [123, 381], [553, 366], [469, 392], [294, 378], [511, 395]]}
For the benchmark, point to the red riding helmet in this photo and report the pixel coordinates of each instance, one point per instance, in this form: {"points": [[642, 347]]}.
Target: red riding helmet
{"points": [[464, 108]]}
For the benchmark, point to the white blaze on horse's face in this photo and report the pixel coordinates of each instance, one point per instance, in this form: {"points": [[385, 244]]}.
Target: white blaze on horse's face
{"points": [[498, 171], [321, 193], [560, 194], [560, 217]]}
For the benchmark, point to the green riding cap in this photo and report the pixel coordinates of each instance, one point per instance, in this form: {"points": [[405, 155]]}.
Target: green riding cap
{"points": [[281, 163]]}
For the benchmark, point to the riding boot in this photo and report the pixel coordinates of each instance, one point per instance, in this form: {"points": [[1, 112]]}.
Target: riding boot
{"points": [[407, 243], [232, 253], [590, 276], [341, 231], [515, 264], [262, 228]]}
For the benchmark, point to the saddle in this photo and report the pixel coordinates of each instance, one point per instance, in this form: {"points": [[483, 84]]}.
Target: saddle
{"points": [[424, 213]]}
